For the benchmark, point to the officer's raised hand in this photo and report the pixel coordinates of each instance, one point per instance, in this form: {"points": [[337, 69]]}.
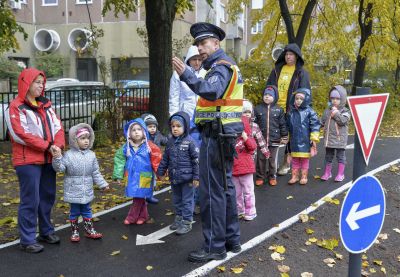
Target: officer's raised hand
{"points": [[178, 65]]}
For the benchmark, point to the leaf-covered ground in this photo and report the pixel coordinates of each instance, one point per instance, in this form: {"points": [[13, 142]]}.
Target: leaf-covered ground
{"points": [[9, 193], [312, 247]]}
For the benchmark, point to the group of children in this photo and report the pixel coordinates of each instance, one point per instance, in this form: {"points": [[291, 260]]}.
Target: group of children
{"points": [[140, 159], [302, 125]]}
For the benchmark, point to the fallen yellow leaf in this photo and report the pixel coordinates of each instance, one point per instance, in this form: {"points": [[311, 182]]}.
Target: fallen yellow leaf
{"points": [[169, 213], [289, 197], [339, 256], [277, 257], [313, 239], [280, 249], [283, 268], [149, 267], [397, 230], [114, 253], [5, 204], [383, 270], [378, 262], [383, 236], [307, 274], [364, 257], [309, 231], [365, 264], [372, 270], [124, 237], [237, 270], [303, 217], [221, 268], [285, 274]]}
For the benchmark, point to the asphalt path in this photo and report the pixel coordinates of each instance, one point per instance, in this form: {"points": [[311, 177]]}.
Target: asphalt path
{"points": [[93, 258]]}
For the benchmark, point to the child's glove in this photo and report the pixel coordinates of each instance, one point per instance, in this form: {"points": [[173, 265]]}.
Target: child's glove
{"points": [[196, 183], [284, 140]]}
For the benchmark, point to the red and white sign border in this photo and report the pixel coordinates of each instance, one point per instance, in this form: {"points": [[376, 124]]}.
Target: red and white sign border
{"points": [[365, 99]]}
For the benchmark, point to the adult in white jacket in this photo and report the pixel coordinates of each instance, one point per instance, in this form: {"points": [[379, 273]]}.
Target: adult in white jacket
{"points": [[181, 97]]}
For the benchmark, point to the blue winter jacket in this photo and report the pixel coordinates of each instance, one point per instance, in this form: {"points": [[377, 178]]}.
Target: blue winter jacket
{"points": [[181, 156], [136, 164], [303, 126]]}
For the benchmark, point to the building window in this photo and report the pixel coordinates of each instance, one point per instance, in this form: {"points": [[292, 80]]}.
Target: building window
{"points": [[257, 28], [79, 2], [222, 13], [256, 4], [49, 2]]}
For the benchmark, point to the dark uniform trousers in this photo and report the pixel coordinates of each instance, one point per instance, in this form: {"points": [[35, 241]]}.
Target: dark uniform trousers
{"points": [[219, 216]]}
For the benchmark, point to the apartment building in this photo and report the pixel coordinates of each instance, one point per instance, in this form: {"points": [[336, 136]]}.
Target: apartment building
{"points": [[54, 26]]}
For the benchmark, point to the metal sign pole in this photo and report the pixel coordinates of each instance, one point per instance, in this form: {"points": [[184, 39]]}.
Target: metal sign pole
{"points": [[359, 169]]}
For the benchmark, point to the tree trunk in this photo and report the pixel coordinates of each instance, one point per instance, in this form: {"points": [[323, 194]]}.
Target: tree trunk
{"points": [[288, 20], [305, 19], [160, 15], [366, 31], [397, 76]]}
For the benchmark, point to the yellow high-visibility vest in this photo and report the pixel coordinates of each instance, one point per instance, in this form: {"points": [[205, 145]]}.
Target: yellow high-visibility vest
{"points": [[229, 107]]}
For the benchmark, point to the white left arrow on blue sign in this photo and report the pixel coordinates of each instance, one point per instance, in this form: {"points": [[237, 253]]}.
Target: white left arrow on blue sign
{"points": [[355, 215]]}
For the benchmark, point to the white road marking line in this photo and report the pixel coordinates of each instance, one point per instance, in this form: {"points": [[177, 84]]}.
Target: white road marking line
{"points": [[203, 270]]}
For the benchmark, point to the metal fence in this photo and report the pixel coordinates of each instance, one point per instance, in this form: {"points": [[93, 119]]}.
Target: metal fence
{"points": [[83, 105]]}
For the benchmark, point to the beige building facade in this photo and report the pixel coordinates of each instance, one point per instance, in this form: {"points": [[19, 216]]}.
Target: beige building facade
{"points": [[58, 26]]}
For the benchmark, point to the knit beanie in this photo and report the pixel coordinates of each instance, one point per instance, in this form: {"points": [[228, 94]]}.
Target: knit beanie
{"points": [[150, 119], [179, 119], [270, 91], [335, 94], [247, 106], [81, 132]]}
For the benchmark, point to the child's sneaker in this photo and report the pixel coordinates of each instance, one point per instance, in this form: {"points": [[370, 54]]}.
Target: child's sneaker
{"points": [[178, 222], [259, 182], [185, 227], [240, 216], [250, 217]]}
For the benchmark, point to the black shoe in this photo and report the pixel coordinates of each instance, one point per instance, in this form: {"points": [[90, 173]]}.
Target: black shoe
{"points": [[50, 239], [32, 248], [201, 256], [152, 200], [233, 248]]}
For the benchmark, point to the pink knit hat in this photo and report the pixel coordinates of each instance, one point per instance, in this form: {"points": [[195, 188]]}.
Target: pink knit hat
{"points": [[81, 132]]}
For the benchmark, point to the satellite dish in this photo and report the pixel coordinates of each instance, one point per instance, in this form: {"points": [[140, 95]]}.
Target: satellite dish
{"points": [[276, 52]]}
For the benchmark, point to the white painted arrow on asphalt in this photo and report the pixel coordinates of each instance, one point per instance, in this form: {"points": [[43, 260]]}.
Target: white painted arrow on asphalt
{"points": [[355, 215], [155, 237]]}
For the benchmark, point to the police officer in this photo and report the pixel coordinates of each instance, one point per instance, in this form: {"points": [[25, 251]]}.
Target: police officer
{"points": [[218, 111]]}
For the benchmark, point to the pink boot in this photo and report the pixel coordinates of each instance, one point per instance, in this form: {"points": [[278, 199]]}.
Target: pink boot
{"points": [[328, 172], [340, 175]]}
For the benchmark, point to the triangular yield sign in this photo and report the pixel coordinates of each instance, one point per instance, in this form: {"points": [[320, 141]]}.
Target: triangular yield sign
{"points": [[367, 112]]}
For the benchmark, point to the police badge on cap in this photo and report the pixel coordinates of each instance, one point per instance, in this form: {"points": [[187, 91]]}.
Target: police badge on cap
{"points": [[203, 30]]}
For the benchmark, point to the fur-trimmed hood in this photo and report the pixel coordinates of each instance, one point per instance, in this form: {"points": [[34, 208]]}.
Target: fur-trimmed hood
{"points": [[72, 135]]}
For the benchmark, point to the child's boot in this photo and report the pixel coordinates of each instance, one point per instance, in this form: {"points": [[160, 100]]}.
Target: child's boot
{"points": [[327, 173], [177, 223], [295, 176], [90, 232], [304, 175], [340, 175], [185, 227], [74, 231]]}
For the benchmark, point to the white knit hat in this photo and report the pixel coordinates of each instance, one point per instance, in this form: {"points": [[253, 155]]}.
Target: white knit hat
{"points": [[247, 106]]}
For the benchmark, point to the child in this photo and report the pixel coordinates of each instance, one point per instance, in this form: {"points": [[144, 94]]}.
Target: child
{"points": [[152, 127], [81, 170], [304, 133], [156, 137], [335, 122], [181, 158], [271, 119], [139, 159], [242, 173], [255, 130]]}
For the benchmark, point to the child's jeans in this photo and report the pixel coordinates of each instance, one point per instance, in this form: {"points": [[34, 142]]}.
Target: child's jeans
{"points": [[183, 198], [138, 210], [300, 163], [245, 198], [85, 210]]}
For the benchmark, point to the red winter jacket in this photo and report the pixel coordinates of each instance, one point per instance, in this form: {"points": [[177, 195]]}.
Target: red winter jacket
{"points": [[244, 163], [33, 129]]}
